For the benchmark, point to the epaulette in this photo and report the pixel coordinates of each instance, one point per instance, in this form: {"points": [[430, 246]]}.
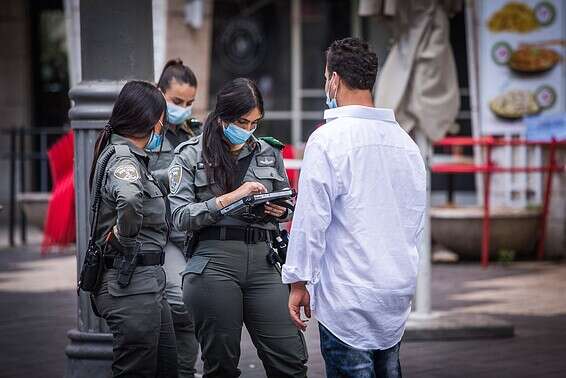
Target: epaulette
{"points": [[190, 142], [273, 142], [122, 150]]}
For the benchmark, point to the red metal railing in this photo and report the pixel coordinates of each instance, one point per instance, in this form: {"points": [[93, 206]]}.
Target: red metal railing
{"points": [[488, 168]]}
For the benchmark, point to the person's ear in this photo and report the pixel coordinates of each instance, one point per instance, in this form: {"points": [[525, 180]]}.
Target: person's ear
{"points": [[337, 80]]}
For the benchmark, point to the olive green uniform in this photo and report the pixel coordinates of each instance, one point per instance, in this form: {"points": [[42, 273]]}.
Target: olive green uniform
{"points": [[175, 261], [138, 315], [228, 283]]}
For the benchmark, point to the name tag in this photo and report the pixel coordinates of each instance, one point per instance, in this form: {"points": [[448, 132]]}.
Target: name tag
{"points": [[265, 161]]}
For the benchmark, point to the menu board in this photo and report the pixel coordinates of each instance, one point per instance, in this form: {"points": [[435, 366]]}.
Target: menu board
{"points": [[522, 62]]}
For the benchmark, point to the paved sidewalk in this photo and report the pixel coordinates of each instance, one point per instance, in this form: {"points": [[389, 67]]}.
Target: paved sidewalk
{"points": [[38, 306]]}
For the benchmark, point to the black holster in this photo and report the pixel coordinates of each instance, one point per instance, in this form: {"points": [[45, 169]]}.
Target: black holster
{"points": [[128, 263], [92, 268], [280, 243], [190, 244]]}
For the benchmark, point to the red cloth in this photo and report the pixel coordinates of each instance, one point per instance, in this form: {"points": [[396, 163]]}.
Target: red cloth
{"points": [[293, 174], [59, 229]]}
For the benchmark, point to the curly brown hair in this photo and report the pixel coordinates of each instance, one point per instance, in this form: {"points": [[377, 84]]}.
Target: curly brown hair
{"points": [[352, 59]]}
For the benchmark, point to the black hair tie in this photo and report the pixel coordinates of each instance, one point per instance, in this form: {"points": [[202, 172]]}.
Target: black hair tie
{"points": [[108, 129]]}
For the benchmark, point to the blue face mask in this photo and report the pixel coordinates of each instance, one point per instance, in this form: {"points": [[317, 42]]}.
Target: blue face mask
{"points": [[331, 103], [176, 114], [154, 142], [237, 135]]}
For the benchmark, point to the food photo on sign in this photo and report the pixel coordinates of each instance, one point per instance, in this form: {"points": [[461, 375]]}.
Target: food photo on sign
{"points": [[521, 63]]}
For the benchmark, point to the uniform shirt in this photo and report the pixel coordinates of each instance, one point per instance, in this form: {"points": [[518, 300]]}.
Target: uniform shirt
{"points": [[161, 157], [131, 199], [359, 214], [193, 202]]}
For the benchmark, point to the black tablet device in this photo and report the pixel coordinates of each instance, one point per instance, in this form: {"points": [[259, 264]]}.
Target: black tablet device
{"points": [[258, 199]]}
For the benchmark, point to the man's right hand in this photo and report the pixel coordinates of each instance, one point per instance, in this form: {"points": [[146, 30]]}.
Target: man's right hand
{"points": [[299, 297]]}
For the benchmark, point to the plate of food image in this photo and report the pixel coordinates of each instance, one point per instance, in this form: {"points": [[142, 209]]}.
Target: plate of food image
{"points": [[514, 105], [533, 59]]}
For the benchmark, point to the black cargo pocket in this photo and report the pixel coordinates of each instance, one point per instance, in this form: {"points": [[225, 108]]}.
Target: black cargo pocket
{"points": [[195, 265]]}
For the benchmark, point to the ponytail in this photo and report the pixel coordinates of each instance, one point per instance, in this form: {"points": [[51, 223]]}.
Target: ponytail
{"points": [[102, 141], [220, 166], [175, 69]]}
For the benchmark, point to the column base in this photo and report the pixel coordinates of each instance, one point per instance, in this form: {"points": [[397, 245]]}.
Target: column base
{"points": [[89, 355]]}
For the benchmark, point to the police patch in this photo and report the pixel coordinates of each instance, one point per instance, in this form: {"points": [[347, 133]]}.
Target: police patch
{"points": [[265, 161], [127, 172], [175, 174]]}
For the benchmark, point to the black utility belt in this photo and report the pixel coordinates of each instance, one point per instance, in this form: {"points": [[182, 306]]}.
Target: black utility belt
{"points": [[142, 259], [249, 235]]}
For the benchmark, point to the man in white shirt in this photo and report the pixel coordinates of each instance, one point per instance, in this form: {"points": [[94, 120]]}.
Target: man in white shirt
{"points": [[357, 223]]}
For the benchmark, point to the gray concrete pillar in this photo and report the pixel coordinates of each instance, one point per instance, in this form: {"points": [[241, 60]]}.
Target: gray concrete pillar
{"points": [[116, 45]]}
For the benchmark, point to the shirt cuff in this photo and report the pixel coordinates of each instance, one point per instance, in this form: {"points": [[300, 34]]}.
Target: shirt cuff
{"points": [[213, 207], [291, 274]]}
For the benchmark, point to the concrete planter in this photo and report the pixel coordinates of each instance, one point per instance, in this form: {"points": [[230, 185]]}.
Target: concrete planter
{"points": [[34, 205], [460, 230]]}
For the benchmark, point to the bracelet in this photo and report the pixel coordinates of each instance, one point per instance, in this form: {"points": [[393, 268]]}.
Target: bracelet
{"points": [[220, 201]]}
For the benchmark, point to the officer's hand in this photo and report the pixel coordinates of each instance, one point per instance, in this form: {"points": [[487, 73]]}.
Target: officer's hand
{"points": [[299, 297], [275, 210], [249, 188]]}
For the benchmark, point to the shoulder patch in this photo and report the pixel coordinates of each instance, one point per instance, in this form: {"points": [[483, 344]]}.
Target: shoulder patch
{"points": [[175, 175], [127, 171], [190, 142], [273, 142], [265, 161]]}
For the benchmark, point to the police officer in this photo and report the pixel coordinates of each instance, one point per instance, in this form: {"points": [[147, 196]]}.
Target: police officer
{"points": [[179, 85], [228, 280], [132, 230]]}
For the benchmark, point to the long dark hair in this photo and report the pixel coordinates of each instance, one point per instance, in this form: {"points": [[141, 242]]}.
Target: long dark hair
{"points": [[136, 111], [234, 100], [175, 69]]}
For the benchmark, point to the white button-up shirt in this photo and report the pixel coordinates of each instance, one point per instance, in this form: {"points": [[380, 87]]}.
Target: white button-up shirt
{"points": [[357, 224]]}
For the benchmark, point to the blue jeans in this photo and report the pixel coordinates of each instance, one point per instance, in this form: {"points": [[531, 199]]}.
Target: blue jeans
{"points": [[345, 361]]}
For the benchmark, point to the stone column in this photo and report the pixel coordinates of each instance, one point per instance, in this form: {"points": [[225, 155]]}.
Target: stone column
{"points": [[116, 45]]}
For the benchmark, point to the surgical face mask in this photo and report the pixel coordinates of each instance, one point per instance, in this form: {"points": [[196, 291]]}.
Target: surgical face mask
{"points": [[155, 140], [237, 135], [331, 103], [176, 114]]}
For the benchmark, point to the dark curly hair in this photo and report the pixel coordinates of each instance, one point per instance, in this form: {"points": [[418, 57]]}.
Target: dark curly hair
{"points": [[353, 61]]}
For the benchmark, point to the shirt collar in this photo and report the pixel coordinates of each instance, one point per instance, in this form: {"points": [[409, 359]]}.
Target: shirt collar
{"points": [[358, 111], [118, 139], [250, 146]]}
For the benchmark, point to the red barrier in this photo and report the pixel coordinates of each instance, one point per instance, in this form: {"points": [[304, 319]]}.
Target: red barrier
{"points": [[489, 168]]}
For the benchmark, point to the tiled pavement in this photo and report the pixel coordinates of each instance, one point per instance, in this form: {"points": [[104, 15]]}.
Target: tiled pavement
{"points": [[37, 307]]}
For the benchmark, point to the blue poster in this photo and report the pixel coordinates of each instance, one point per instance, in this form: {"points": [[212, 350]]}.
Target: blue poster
{"points": [[543, 128]]}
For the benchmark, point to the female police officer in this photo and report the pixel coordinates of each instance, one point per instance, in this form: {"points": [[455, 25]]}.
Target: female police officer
{"points": [[228, 280], [179, 85], [132, 231]]}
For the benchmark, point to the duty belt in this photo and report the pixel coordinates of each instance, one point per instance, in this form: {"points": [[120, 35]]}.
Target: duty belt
{"points": [[142, 259], [249, 235]]}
